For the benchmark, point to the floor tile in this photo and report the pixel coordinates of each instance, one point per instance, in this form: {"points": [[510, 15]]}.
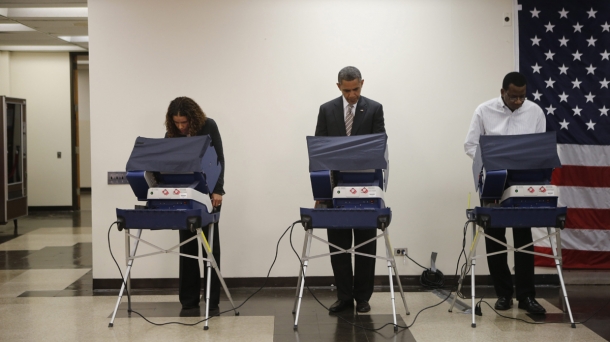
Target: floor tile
{"points": [[46, 278]]}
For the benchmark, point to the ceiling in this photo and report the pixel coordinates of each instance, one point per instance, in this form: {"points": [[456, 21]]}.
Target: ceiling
{"points": [[44, 25]]}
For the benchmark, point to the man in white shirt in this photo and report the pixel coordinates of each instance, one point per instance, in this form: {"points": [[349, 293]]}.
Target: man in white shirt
{"points": [[509, 114]]}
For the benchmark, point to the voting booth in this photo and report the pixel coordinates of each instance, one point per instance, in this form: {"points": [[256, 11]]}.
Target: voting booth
{"points": [[175, 177], [512, 175], [349, 177]]}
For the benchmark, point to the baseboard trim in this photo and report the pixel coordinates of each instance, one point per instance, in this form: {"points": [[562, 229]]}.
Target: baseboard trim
{"points": [[51, 208], [166, 283]]}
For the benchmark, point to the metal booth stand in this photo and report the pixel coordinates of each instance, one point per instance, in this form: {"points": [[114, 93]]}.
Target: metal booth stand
{"points": [[349, 175], [512, 175], [176, 188]]}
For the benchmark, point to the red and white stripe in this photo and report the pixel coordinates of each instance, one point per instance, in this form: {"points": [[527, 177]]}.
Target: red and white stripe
{"points": [[584, 187]]}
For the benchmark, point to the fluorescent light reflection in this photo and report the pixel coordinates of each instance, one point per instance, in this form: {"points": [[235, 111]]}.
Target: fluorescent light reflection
{"points": [[75, 39], [41, 48], [45, 12], [15, 28]]}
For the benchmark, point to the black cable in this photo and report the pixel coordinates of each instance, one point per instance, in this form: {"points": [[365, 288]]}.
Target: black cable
{"points": [[457, 266], [205, 319]]}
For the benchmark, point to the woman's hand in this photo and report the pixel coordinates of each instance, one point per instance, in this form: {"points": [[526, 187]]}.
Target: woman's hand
{"points": [[216, 200]]}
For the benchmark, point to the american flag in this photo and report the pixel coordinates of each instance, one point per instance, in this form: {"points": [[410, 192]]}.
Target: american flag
{"points": [[564, 51]]}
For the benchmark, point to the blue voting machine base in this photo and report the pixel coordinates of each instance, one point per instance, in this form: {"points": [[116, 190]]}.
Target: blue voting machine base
{"points": [[176, 188], [512, 175], [349, 177]]}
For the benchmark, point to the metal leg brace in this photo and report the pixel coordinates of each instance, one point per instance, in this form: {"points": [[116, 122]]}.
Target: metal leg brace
{"points": [[127, 279], [471, 261], [210, 263], [305, 257]]}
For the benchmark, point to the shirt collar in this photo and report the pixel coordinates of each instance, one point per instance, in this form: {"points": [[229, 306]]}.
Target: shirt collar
{"points": [[345, 103]]}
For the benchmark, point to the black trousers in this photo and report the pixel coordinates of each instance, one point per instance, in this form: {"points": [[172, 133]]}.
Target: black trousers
{"points": [[190, 287], [358, 284], [524, 263]]}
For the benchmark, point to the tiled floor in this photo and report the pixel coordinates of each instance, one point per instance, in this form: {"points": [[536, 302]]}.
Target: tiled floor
{"points": [[46, 294]]}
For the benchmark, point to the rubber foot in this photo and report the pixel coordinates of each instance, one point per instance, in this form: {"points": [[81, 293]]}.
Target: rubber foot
{"points": [[408, 313], [574, 325], [236, 313], [293, 312], [474, 325], [295, 327], [206, 328], [450, 310], [110, 325], [395, 328]]}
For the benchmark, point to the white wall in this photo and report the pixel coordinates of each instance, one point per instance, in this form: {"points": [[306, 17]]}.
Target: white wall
{"points": [[261, 69], [84, 128], [43, 79]]}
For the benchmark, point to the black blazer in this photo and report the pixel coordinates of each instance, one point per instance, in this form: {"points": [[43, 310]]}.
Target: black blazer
{"points": [[368, 118]]}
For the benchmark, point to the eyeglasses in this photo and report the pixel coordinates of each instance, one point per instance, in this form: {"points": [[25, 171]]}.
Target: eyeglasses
{"points": [[515, 98]]}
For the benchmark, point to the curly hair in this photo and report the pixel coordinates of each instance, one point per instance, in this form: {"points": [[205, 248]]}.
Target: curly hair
{"points": [[184, 106]]}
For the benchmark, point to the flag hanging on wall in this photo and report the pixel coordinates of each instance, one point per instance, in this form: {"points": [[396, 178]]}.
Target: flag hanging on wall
{"points": [[564, 51]]}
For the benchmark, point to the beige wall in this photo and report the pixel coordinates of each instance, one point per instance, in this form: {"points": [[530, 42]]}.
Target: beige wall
{"points": [[43, 79], [261, 69]]}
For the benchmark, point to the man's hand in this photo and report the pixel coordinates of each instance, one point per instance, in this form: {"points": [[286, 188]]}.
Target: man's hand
{"points": [[216, 200]]}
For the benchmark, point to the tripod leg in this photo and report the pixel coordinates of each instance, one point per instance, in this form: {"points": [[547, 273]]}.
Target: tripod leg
{"points": [[211, 259], [296, 295], [472, 283], [208, 276], [556, 252], [126, 278], [469, 261], [305, 263], [390, 254]]}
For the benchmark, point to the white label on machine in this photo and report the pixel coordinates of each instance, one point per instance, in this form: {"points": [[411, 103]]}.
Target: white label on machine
{"points": [[357, 192], [530, 191], [180, 194]]}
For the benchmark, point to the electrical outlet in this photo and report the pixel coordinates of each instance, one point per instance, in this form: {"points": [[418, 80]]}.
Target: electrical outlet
{"points": [[400, 251], [117, 177]]}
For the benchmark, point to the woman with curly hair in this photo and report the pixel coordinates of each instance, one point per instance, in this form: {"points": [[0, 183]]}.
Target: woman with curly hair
{"points": [[185, 118]]}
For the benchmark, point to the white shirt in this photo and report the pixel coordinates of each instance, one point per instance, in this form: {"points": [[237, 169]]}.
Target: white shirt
{"points": [[494, 118]]}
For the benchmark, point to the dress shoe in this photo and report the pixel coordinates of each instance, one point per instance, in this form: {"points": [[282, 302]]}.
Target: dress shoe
{"points": [[214, 311], [190, 307], [532, 306], [363, 307], [341, 305], [503, 303]]}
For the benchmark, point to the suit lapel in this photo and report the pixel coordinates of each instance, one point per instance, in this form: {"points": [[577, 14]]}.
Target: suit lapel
{"points": [[339, 116], [361, 108]]}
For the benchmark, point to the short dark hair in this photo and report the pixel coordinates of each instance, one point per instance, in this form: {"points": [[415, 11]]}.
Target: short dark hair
{"points": [[349, 73], [515, 78]]}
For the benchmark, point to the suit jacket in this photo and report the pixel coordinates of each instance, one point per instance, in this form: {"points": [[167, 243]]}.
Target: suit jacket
{"points": [[368, 118]]}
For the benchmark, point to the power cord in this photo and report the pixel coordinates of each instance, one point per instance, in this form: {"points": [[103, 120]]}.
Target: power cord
{"points": [[205, 319]]}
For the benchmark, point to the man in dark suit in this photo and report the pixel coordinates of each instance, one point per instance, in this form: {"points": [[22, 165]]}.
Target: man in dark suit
{"points": [[351, 114]]}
